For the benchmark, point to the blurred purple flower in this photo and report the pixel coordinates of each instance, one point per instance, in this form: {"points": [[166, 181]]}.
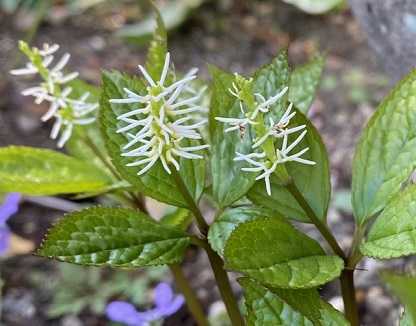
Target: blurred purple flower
{"points": [[166, 304], [7, 209]]}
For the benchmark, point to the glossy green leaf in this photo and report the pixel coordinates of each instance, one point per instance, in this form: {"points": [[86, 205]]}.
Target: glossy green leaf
{"points": [[331, 316], [304, 82], [116, 237], [88, 145], [224, 225], [271, 79], [316, 7], [288, 259], [86, 142], [35, 171], [180, 218], [313, 181], [393, 234], [80, 87], [287, 307], [156, 182], [228, 182], [386, 153], [404, 287]]}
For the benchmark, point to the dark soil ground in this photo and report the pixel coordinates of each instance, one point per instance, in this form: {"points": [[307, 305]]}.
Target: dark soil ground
{"points": [[238, 38]]}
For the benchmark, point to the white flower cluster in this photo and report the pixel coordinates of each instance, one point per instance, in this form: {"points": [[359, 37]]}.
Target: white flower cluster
{"points": [[66, 111], [162, 121], [259, 160]]}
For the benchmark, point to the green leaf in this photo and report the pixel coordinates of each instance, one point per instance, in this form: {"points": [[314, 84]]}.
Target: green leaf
{"points": [[88, 145], [80, 87], [156, 182], [316, 7], [404, 287], [331, 316], [304, 82], [86, 142], [228, 182], [289, 259], [287, 307], [386, 153], [157, 49], [271, 79], [224, 225], [266, 308], [114, 236], [35, 171], [180, 218], [174, 13], [393, 234], [312, 181]]}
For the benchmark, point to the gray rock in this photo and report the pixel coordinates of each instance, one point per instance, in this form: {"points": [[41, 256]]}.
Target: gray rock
{"points": [[391, 29]]}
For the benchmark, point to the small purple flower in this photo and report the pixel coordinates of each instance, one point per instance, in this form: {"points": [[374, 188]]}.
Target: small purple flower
{"points": [[7, 209], [166, 304]]}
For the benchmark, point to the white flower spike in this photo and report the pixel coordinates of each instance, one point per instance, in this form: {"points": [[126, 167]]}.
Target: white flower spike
{"points": [[154, 130], [66, 110], [259, 161], [249, 117]]}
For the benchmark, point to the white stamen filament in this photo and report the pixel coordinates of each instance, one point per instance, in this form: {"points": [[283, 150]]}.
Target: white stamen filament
{"points": [[76, 110]]}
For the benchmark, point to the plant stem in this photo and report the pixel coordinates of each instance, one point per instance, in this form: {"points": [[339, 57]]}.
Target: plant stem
{"points": [[224, 287], [348, 296], [192, 301], [202, 224], [347, 275], [216, 262], [101, 156], [321, 226]]}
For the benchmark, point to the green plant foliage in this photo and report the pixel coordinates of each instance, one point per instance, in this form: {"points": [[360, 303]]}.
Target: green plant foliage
{"points": [[287, 307], [224, 225], [271, 79], [304, 82], [180, 218], [228, 182], [77, 288], [313, 183], [404, 287], [155, 183], [394, 232], [35, 171], [114, 236], [386, 153], [289, 258]]}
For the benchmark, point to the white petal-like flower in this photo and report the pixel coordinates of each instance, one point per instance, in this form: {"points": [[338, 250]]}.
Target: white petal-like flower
{"points": [[66, 110], [249, 118], [161, 123], [268, 167], [279, 129], [259, 162]]}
